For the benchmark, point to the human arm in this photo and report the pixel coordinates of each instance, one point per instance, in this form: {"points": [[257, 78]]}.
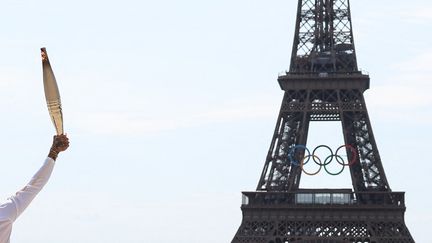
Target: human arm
{"points": [[16, 204]]}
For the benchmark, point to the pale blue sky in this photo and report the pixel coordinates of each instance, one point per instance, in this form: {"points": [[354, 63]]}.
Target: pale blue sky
{"points": [[170, 107]]}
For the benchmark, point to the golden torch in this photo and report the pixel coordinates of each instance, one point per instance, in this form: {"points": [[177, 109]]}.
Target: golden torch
{"points": [[52, 94]]}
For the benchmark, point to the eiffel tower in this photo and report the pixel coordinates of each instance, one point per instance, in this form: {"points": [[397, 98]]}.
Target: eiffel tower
{"points": [[323, 84]]}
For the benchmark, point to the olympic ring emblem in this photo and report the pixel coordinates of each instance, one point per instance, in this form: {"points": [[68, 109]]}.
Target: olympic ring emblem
{"points": [[299, 155]]}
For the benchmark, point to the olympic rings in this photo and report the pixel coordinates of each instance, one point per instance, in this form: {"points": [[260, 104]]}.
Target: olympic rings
{"points": [[299, 155], [336, 173], [292, 152], [325, 161], [353, 154], [315, 173]]}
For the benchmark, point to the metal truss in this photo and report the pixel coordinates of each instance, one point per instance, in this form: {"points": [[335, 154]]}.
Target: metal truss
{"points": [[284, 231], [299, 108], [285, 217], [323, 40], [323, 84]]}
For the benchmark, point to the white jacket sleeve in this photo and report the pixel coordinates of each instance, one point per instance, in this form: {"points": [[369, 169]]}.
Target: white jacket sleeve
{"points": [[16, 204]]}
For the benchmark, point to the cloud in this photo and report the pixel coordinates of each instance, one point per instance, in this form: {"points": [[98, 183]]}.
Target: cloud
{"points": [[417, 15], [405, 95], [133, 123], [400, 95], [420, 63], [17, 88]]}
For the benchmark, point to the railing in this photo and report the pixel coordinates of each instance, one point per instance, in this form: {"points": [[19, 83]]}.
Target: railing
{"points": [[322, 74], [323, 197]]}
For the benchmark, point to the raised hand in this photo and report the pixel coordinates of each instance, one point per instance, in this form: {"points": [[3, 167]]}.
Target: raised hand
{"points": [[60, 144]]}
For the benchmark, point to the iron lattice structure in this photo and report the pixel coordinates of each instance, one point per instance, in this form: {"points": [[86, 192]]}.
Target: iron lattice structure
{"points": [[323, 84]]}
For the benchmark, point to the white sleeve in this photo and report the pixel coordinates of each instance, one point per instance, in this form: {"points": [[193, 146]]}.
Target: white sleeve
{"points": [[16, 204]]}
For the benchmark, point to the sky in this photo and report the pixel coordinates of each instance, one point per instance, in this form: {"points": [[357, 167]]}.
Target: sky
{"points": [[170, 108]]}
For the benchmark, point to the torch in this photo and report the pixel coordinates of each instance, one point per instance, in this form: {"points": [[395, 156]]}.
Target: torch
{"points": [[52, 94]]}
